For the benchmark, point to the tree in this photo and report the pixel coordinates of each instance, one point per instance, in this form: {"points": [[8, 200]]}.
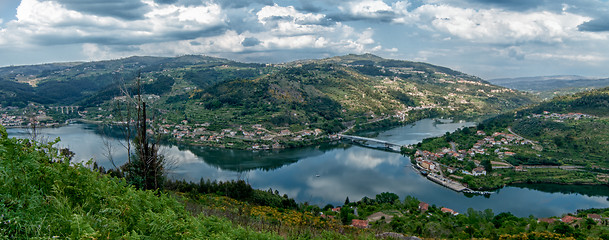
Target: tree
{"points": [[387, 197], [347, 201], [345, 215], [488, 166], [145, 168]]}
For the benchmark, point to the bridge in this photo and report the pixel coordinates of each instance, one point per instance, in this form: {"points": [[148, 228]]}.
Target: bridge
{"points": [[385, 145], [65, 109]]}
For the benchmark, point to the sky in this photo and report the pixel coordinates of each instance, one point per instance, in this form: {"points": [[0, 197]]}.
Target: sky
{"points": [[486, 38]]}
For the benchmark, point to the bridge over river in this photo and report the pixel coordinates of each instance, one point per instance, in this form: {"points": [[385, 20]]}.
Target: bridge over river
{"points": [[368, 142]]}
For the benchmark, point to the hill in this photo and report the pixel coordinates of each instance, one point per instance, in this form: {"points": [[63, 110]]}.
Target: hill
{"points": [[251, 104], [563, 141], [550, 86]]}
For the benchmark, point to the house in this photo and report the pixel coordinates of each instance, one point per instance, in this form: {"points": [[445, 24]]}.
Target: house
{"points": [[595, 217], [518, 169], [336, 209], [478, 171], [359, 223], [423, 206], [451, 169], [569, 219], [547, 220], [448, 210]]}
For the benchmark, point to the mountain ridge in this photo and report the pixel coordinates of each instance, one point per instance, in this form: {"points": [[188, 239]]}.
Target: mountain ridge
{"points": [[323, 96]]}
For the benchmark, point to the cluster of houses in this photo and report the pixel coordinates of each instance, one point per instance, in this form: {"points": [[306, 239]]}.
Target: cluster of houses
{"points": [[497, 139], [576, 220], [40, 118], [13, 121], [198, 133], [428, 160], [423, 207], [562, 116]]}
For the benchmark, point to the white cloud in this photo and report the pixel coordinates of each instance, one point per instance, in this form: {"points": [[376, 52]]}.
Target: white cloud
{"points": [[367, 8], [376, 9], [288, 28], [569, 57], [499, 26], [49, 23]]}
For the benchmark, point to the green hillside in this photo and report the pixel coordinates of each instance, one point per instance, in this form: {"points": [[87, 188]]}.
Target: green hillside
{"points": [[42, 196], [232, 104], [563, 140]]}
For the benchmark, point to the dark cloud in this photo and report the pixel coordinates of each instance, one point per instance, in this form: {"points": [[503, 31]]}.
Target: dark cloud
{"points": [[596, 25], [242, 3], [308, 6], [515, 54], [125, 39], [250, 42], [123, 9], [514, 4], [165, 1]]}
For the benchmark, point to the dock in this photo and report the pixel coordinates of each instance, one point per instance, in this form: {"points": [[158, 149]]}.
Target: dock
{"points": [[453, 185]]}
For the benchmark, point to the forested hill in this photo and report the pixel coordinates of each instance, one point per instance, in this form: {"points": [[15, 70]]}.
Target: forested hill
{"points": [[329, 94], [570, 129], [72, 83]]}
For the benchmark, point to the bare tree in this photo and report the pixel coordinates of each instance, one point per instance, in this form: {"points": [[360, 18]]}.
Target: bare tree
{"points": [[145, 168], [108, 149]]}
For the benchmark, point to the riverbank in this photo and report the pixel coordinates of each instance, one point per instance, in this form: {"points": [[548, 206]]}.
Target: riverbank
{"points": [[343, 169]]}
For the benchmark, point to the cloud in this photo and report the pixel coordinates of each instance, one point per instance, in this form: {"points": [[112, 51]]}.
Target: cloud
{"points": [[516, 53], [123, 9], [243, 3], [376, 10], [250, 42], [165, 1], [51, 23], [288, 28], [499, 26], [368, 9], [570, 57], [595, 25], [518, 5]]}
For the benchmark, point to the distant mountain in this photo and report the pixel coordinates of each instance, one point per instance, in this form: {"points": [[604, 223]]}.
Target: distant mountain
{"points": [[71, 83], [307, 94], [551, 83]]}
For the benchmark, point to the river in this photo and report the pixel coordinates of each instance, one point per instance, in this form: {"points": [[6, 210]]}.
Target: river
{"points": [[328, 173]]}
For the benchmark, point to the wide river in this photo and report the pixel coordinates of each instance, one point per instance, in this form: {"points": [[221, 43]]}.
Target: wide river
{"points": [[328, 173]]}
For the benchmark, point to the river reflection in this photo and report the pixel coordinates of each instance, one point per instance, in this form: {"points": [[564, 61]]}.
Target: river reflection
{"points": [[328, 173]]}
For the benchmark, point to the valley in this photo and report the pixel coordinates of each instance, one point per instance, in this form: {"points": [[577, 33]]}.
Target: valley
{"points": [[217, 102]]}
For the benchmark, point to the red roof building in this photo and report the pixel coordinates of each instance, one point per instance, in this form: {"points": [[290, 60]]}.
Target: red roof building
{"points": [[448, 210], [423, 206], [359, 223], [569, 219], [595, 217]]}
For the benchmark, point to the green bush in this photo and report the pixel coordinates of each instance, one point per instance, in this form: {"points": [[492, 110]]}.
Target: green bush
{"points": [[44, 195]]}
